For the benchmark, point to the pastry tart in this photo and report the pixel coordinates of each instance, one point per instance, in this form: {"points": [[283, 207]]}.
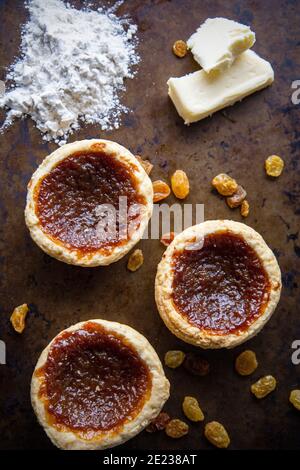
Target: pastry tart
{"points": [[217, 284], [96, 385], [88, 203]]}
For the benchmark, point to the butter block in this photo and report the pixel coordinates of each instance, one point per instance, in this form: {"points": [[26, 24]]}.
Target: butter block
{"points": [[198, 95], [218, 42]]}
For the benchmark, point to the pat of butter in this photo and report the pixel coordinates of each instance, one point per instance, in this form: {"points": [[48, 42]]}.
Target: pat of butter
{"points": [[199, 94], [218, 42]]}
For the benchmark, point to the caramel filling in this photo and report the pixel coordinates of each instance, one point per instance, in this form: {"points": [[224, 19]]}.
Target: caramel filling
{"points": [[222, 287], [78, 202], [93, 380]]}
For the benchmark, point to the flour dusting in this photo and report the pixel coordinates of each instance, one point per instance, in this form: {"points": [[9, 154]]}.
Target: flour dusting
{"points": [[72, 66]]}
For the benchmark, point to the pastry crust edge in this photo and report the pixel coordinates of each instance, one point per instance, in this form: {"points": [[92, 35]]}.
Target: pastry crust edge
{"points": [[159, 394], [177, 324], [57, 249]]}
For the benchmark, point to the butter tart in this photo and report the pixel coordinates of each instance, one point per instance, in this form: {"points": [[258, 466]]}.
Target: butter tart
{"points": [[88, 203], [217, 284], [96, 385]]}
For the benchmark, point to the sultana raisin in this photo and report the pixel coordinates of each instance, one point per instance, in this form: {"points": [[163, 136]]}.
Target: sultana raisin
{"points": [[159, 423], [145, 164], [263, 386], [160, 190], [176, 428], [192, 409], [217, 435], [18, 318], [180, 48], [245, 208], [196, 365], [167, 238], [135, 261], [224, 184], [246, 363], [295, 399], [180, 184], [174, 359], [237, 198], [274, 166]]}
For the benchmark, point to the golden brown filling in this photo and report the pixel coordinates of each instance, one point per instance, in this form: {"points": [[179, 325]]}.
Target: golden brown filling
{"points": [[93, 380], [222, 287], [72, 200]]}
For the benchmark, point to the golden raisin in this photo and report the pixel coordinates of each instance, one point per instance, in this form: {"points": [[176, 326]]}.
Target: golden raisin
{"points": [[159, 423], [167, 238], [263, 386], [246, 363], [196, 365], [176, 428], [245, 208], [192, 409], [224, 184], [180, 184], [295, 399], [160, 190], [217, 435], [145, 164], [135, 261], [180, 48], [174, 359], [274, 166], [237, 198], [18, 318]]}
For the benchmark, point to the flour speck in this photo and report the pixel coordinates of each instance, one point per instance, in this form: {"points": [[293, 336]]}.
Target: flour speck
{"points": [[72, 66]]}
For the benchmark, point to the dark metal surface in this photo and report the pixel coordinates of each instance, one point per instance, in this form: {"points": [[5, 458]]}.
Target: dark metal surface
{"points": [[236, 142]]}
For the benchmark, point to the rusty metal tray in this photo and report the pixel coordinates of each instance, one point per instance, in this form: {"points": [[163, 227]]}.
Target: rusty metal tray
{"points": [[237, 141]]}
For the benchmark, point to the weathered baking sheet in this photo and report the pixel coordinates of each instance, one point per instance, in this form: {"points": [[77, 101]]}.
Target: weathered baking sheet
{"points": [[237, 141]]}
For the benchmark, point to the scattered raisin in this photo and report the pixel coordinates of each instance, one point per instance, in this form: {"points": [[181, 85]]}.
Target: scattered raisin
{"points": [[295, 399], [237, 198], [224, 184], [196, 365], [274, 166], [145, 164], [159, 423], [180, 184], [161, 190], [263, 386], [217, 435], [180, 48], [245, 208], [246, 363], [167, 238], [135, 261], [192, 409], [176, 428], [174, 359], [18, 318]]}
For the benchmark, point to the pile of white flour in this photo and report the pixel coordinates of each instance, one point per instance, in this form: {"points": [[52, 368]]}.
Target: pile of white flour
{"points": [[72, 65]]}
